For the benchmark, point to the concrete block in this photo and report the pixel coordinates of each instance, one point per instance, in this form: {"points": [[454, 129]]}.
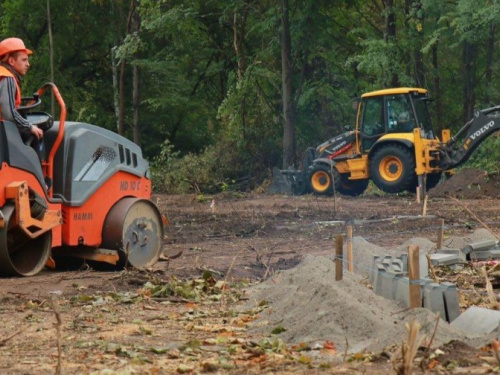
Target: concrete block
{"points": [[396, 266], [424, 265], [434, 300], [458, 252], [376, 270], [478, 321], [386, 285], [451, 301], [404, 259], [401, 290], [387, 261], [493, 253], [373, 271], [479, 246], [447, 257], [377, 285]]}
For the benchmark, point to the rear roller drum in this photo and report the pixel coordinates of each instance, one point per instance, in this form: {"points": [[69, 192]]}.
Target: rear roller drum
{"points": [[21, 255], [134, 227]]}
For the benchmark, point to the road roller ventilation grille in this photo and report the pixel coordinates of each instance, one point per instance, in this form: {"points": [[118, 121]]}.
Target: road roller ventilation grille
{"points": [[127, 157]]}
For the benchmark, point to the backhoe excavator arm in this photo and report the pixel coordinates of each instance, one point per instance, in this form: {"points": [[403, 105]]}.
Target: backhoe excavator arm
{"points": [[473, 133]]}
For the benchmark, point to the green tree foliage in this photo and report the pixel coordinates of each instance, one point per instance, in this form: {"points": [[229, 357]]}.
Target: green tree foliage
{"points": [[211, 104]]}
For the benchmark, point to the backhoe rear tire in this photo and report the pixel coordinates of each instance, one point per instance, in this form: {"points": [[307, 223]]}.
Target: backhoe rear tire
{"points": [[392, 168], [321, 181], [352, 188]]}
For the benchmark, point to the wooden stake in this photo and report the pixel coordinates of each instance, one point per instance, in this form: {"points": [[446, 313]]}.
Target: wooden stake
{"points": [[350, 266], [339, 250], [440, 234], [418, 194], [424, 210], [414, 276]]}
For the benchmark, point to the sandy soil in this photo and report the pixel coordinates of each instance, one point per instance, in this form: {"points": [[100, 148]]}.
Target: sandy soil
{"points": [[201, 308]]}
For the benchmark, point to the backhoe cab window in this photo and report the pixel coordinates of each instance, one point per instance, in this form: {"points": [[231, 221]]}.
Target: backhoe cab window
{"points": [[400, 114], [373, 116], [424, 119]]}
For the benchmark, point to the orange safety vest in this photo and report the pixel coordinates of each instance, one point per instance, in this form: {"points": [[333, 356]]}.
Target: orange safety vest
{"points": [[4, 72]]}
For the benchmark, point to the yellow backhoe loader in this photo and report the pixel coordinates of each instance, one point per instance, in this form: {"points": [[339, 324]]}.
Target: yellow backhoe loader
{"points": [[394, 145]]}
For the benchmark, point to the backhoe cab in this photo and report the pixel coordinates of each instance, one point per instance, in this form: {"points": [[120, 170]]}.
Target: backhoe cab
{"points": [[394, 145]]}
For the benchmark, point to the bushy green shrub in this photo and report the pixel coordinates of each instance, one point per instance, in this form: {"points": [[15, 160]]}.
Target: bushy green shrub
{"points": [[486, 156], [213, 170]]}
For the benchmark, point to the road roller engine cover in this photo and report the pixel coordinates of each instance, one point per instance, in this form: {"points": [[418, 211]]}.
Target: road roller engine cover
{"points": [[83, 192]]}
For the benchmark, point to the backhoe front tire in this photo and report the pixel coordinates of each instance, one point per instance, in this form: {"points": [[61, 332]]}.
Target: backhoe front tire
{"points": [[392, 168], [321, 181]]}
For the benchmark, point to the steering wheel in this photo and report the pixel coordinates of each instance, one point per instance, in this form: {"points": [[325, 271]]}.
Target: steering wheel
{"points": [[41, 119], [28, 103], [373, 130]]}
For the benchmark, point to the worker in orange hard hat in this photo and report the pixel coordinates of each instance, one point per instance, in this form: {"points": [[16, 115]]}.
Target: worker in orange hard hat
{"points": [[14, 64]]}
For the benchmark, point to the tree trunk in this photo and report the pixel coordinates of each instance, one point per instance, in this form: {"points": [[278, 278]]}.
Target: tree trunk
{"points": [[116, 92], [437, 87], [469, 59], [287, 88], [136, 103], [239, 26], [416, 6], [121, 80], [51, 52], [489, 64], [121, 100], [136, 97], [390, 32]]}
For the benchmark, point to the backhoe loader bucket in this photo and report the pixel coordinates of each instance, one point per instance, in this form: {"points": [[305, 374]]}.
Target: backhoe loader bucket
{"points": [[286, 182], [292, 181]]}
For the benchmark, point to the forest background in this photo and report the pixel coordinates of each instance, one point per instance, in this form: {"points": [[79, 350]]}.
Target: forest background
{"points": [[218, 92]]}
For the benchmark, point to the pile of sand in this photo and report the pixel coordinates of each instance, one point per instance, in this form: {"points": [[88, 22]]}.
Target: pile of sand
{"points": [[312, 307], [468, 183]]}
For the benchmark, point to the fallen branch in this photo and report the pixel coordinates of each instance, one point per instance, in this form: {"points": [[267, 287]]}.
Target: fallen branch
{"points": [[431, 268], [434, 332], [58, 325], [269, 262], [475, 217], [489, 290], [7, 339], [223, 296]]}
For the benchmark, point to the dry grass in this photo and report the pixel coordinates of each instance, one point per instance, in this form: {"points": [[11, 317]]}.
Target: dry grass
{"points": [[403, 358]]}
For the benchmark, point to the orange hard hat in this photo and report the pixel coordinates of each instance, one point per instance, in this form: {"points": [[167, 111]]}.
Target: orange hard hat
{"points": [[10, 45]]}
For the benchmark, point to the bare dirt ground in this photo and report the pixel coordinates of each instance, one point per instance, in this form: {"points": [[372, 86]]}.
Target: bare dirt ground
{"points": [[229, 261]]}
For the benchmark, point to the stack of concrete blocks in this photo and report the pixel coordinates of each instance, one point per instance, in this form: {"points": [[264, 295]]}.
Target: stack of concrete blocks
{"points": [[477, 251], [478, 321], [443, 299], [389, 277]]}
